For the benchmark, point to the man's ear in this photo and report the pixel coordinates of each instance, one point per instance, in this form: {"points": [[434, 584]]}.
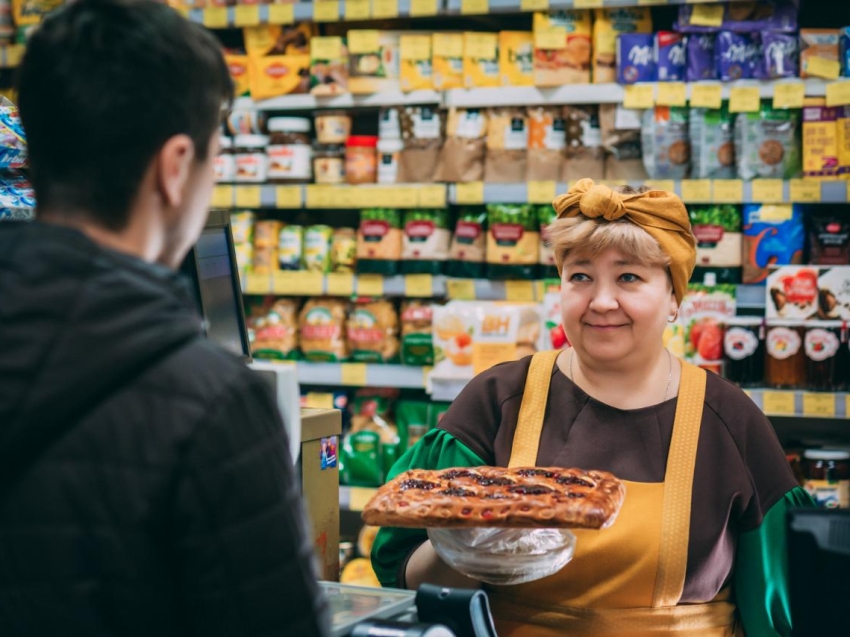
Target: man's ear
{"points": [[174, 164]]}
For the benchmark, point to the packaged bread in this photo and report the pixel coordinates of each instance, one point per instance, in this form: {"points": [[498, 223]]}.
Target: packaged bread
{"points": [[417, 345], [516, 58], [513, 241], [583, 155], [425, 246], [372, 332], [480, 60], [379, 241], [321, 330], [272, 327], [447, 58], [607, 25], [546, 142], [422, 134], [507, 144], [570, 63], [276, 75], [462, 155], [469, 243]]}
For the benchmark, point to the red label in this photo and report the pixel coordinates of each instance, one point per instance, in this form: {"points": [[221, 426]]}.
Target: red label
{"points": [[801, 288], [507, 232], [236, 69], [277, 70], [833, 228], [708, 234], [467, 230], [417, 313], [419, 229], [374, 228], [320, 332], [668, 38], [365, 335]]}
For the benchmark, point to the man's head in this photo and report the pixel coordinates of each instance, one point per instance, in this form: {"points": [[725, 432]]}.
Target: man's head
{"points": [[121, 101]]}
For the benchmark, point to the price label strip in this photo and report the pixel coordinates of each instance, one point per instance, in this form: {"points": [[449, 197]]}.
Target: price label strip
{"points": [[420, 8], [474, 6], [706, 95], [639, 96], [672, 94], [727, 190], [541, 192], [789, 95], [819, 405], [357, 10], [778, 403], [805, 191], [384, 9], [744, 99], [768, 190], [470, 193], [696, 190], [353, 374], [461, 289]]}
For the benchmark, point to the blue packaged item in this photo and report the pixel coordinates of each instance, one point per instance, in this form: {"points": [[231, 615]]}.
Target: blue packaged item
{"points": [[670, 56], [13, 146], [778, 16], [774, 234], [635, 58], [700, 57], [780, 56], [737, 56], [844, 50]]}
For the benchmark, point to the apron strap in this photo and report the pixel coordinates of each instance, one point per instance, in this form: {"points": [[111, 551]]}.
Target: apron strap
{"points": [[532, 409], [678, 488]]}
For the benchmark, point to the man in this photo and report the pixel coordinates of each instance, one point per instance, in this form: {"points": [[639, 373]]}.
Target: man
{"points": [[145, 483]]}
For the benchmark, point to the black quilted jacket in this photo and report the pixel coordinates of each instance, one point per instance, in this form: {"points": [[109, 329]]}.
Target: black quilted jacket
{"points": [[145, 487]]}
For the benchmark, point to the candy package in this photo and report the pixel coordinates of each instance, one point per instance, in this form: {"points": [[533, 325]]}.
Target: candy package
{"points": [[13, 146]]}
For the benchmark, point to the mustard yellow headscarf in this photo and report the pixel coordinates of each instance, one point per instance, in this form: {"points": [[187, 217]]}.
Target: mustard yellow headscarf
{"points": [[661, 214]]}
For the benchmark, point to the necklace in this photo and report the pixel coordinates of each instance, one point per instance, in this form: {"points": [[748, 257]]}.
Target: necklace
{"points": [[669, 371]]}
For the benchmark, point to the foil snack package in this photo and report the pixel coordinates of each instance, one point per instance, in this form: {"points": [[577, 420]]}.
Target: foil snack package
{"points": [[700, 57], [635, 59], [670, 56]]}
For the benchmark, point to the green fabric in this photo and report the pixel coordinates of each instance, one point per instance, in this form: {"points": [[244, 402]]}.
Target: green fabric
{"points": [[436, 450], [761, 571]]}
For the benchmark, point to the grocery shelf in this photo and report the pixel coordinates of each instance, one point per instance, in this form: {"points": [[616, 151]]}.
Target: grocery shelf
{"points": [[10, 55], [354, 498], [301, 283], [362, 375], [514, 6], [324, 197], [348, 100]]}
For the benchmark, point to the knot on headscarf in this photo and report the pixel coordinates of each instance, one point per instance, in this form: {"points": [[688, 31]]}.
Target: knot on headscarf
{"points": [[662, 215]]}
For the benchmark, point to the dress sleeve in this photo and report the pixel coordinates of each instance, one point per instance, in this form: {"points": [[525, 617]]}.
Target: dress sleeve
{"points": [[436, 450], [761, 571]]}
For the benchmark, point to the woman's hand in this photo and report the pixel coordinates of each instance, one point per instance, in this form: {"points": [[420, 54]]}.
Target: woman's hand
{"points": [[426, 567]]}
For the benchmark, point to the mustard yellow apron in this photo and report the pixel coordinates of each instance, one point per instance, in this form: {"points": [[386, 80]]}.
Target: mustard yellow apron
{"points": [[625, 580]]}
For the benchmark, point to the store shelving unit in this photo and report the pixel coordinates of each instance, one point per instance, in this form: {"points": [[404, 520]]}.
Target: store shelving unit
{"points": [[10, 55], [354, 498], [311, 102], [362, 374]]}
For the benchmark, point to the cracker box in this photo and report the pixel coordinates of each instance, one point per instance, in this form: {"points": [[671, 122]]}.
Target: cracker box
{"points": [[820, 141], [480, 60], [374, 63], [791, 293], [717, 229], [447, 60], [607, 25], [773, 235], [516, 58], [417, 67]]}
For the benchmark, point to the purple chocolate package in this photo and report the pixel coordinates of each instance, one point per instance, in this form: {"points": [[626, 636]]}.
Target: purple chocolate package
{"points": [[737, 56], [780, 55], [670, 56], [635, 59], [778, 16], [700, 54]]}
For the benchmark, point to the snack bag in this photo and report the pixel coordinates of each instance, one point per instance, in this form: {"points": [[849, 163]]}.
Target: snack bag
{"points": [[717, 229], [328, 66], [702, 314], [277, 75], [374, 70], [773, 235], [321, 327], [547, 139], [792, 293], [239, 72], [412, 419], [372, 332], [569, 64], [417, 67], [480, 60], [556, 337], [454, 325], [820, 141], [447, 61], [712, 143], [360, 460], [462, 154], [379, 241], [417, 342], [505, 332], [516, 58], [272, 327], [13, 145], [767, 143], [607, 25], [507, 145], [469, 243], [666, 142], [425, 246], [513, 241]]}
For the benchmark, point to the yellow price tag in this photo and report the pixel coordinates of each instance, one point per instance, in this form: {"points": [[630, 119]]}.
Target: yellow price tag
{"points": [[449, 44], [474, 6], [481, 46], [672, 94], [325, 11], [327, 48], [248, 197], [384, 8], [419, 285], [340, 284], [14, 54], [461, 289], [838, 93], [541, 192], [470, 193], [432, 196], [587, 4], [321, 196], [215, 18], [728, 191], [426, 372], [819, 405], [744, 99], [222, 197], [778, 403], [246, 15], [534, 5], [652, 2], [550, 39], [359, 497], [281, 14], [287, 197], [402, 197], [789, 95], [767, 191], [370, 285], [776, 212], [707, 15], [364, 41], [696, 190], [667, 185], [257, 283], [415, 47], [317, 400], [419, 8], [706, 95], [821, 67], [519, 291], [639, 95], [805, 191], [357, 10], [298, 283], [353, 374]]}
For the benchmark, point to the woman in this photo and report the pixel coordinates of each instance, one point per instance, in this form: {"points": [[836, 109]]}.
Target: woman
{"points": [[698, 548]]}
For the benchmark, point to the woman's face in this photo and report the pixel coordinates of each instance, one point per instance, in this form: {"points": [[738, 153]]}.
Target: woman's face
{"points": [[614, 307]]}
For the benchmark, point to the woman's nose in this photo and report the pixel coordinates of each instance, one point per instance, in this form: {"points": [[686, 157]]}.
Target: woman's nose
{"points": [[603, 300]]}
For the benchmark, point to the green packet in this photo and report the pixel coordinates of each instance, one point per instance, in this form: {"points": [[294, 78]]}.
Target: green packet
{"points": [[361, 460], [412, 421]]}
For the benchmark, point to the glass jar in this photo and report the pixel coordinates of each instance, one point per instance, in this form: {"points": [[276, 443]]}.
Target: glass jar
{"points": [[333, 127], [827, 474], [785, 365], [744, 348], [290, 153], [389, 124], [251, 161], [388, 153], [823, 343], [225, 162], [329, 164], [361, 159]]}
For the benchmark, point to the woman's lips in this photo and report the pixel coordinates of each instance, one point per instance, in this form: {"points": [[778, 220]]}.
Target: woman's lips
{"points": [[603, 328]]}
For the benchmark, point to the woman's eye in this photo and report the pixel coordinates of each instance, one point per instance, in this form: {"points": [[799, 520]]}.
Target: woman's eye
{"points": [[628, 277], [579, 277]]}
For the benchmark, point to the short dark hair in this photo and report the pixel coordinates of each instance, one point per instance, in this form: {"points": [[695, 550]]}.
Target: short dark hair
{"points": [[102, 86]]}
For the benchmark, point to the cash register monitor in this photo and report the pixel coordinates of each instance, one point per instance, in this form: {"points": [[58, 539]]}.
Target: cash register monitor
{"points": [[214, 276], [818, 567]]}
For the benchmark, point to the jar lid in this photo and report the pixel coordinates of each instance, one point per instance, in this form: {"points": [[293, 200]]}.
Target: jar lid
{"points": [[390, 145], [289, 124], [368, 141], [225, 142], [744, 320], [827, 454], [251, 141]]}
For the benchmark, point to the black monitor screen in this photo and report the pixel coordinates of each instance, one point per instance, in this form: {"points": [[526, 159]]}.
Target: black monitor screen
{"points": [[211, 265]]}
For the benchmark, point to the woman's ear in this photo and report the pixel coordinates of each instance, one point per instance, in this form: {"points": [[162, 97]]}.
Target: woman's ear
{"points": [[674, 308]]}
